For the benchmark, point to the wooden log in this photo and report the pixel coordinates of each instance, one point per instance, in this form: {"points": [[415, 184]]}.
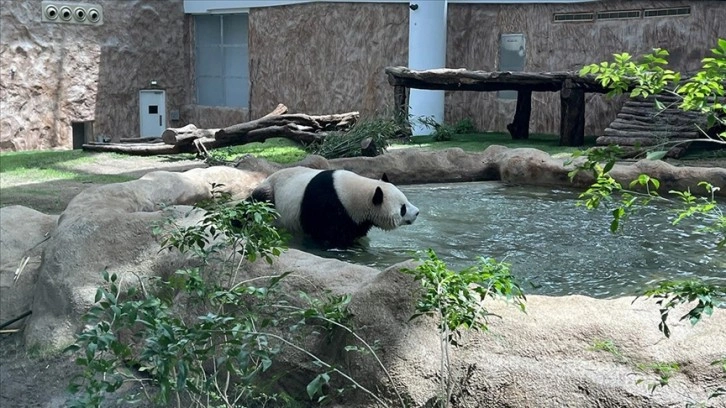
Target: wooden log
{"points": [[137, 149], [572, 115], [519, 128], [185, 135], [400, 104], [321, 122], [651, 133], [654, 113], [626, 141], [466, 80], [280, 109], [675, 120], [632, 125]]}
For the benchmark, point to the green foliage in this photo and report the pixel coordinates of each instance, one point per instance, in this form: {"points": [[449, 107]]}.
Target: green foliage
{"points": [[464, 126], [702, 92], [278, 150], [671, 294], [456, 300], [607, 346], [663, 371], [220, 357], [605, 189], [625, 203], [441, 131], [705, 207], [645, 77], [245, 226], [380, 130]]}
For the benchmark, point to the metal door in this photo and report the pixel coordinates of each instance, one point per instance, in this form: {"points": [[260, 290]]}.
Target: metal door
{"points": [[511, 58], [152, 113]]}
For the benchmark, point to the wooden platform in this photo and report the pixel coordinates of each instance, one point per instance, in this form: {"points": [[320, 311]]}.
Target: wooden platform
{"points": [[571, 86]]}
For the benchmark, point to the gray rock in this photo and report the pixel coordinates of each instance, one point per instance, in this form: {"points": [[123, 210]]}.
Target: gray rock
{"points": [[546, 357], [24, 233]]}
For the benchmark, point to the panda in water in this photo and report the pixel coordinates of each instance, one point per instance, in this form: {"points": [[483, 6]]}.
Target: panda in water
{"points": [[334, 207]]}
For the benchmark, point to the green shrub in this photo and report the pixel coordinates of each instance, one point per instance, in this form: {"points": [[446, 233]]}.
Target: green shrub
{"points": [[221, 357], [337, 144]]}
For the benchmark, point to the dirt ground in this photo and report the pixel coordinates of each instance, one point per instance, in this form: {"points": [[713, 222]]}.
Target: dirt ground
{"points": [[32, 380]]}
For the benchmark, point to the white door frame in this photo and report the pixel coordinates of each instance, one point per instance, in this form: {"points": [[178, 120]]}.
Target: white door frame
{"points": [[152, 113]]}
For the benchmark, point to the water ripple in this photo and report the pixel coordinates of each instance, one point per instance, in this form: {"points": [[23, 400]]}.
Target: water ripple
{"points": [[555, 247]]}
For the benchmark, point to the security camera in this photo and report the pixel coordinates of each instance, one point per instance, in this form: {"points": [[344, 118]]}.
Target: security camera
{"points": [[413, 7]]}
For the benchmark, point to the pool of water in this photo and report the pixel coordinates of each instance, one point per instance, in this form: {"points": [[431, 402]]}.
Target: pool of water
{"points": [[554, 247]]}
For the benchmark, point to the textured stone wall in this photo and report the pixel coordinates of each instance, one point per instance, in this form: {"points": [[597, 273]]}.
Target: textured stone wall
{"points": [[322, 58], [329, 57], [473, 43], [52, 75], [315, 58]]}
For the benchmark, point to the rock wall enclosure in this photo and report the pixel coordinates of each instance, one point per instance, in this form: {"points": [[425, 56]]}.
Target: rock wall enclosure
{"points": [[542, 358]]}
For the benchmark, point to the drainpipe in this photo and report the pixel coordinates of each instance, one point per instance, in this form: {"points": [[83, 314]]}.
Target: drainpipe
{"points": [[426, 50]]}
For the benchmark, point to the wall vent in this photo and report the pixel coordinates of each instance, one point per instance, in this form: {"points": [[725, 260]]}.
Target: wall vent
{"points": [[573, 17], [618, 15], [71, 13], [668, 12]]}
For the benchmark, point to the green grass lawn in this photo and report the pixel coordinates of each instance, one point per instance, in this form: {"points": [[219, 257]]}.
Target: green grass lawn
{"points": [[475, 142], [279, 150], [28, 175]]}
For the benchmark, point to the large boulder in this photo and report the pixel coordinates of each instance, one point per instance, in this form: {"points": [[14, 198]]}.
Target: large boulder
{"points": [[109, 228], [24, 233], [550, 356], [524, 166]]}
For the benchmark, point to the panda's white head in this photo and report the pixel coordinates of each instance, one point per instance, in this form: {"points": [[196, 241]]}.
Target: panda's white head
{"points": [[374, 201]]}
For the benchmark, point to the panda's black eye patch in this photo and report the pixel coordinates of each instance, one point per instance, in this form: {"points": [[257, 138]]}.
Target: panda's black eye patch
{"points": [[403, 210]]}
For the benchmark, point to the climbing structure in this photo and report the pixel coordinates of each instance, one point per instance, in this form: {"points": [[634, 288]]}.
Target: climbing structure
{"points": [[640, 123]]}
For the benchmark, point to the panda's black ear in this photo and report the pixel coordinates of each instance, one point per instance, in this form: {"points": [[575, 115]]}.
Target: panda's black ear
{"points": [[378, 196], [384, 177]]}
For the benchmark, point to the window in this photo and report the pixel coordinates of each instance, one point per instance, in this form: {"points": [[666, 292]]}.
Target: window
{"points": [[618, 15], [573, 17], [222, 68], [675, 11]]}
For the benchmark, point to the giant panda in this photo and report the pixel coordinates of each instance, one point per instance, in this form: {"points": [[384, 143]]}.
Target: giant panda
{"points": [[334, 207]]}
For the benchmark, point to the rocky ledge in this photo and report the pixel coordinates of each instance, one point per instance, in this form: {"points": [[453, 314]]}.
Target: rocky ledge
{"points": [[547, 357]]}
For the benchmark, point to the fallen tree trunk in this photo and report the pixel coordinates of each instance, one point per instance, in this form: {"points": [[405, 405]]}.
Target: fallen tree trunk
{"points": [[300, 127], [137, 149], [189, 133], [293, 120], [185, 135]]}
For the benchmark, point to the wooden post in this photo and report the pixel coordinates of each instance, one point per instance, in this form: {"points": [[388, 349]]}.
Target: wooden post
{"points": [[519, 128], [572, 115], [400, 104]]}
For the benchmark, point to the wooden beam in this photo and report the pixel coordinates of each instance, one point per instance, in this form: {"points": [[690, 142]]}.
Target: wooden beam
{"points": [[400, 104], [519, 128], [466, 80], [572, 115]]}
